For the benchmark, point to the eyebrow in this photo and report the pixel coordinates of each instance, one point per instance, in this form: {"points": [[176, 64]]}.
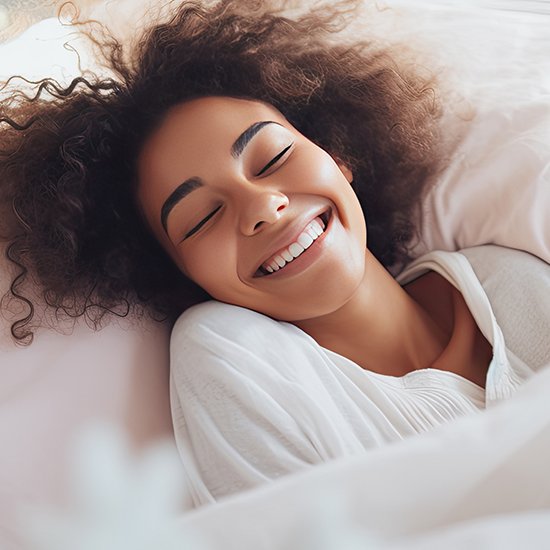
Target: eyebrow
{"points": [[179, 193], [242, 141], [191, 184]]}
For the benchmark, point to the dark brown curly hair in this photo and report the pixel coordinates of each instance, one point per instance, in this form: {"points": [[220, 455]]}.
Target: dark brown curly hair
{"points": [[68, 154]]}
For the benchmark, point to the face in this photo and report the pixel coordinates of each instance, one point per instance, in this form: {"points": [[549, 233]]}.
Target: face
{"points": [[251, 210]]}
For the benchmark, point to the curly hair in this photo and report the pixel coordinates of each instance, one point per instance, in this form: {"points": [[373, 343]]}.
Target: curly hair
{"points": [[68, 154]]}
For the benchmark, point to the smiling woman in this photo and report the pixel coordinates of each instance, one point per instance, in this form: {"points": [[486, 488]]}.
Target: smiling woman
{"points": [[245, 159], [94, 253], [252, 185]]}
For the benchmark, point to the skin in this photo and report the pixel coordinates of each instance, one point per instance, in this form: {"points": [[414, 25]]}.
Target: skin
{"points": [[249, 205]]}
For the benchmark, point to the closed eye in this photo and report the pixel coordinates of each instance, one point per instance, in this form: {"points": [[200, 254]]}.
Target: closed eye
{"points": [[200, 224], [273, 160]]}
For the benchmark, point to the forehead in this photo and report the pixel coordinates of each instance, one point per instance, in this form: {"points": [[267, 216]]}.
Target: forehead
{"points": [[206, 122]]}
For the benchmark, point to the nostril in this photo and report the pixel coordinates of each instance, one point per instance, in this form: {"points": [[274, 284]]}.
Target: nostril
{"points": [[281, 207], [257, 225]]}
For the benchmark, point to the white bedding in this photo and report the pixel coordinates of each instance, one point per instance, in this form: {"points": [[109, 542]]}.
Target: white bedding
{"points": [[496, 189], [480, 482]]}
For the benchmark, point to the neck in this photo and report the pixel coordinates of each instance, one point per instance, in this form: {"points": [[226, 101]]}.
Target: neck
{"points": [[381, 328]]}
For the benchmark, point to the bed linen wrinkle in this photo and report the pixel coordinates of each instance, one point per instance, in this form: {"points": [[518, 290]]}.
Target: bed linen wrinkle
{"points": [[261, 410]]}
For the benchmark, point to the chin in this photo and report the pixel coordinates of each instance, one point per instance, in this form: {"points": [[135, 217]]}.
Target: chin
{"points": [[319, 302]]}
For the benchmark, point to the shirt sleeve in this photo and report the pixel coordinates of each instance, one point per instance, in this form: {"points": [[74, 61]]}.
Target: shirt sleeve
{"points": [[248, 399]]}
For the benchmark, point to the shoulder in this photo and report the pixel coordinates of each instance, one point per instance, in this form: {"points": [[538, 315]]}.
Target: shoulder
{"points": [[491, 262], [214, 314], [486, 261], [214, 337], [518, 287], [215, 320]]}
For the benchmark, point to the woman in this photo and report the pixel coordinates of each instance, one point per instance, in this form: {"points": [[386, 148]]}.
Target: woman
{"points": [[262, 218], [245, 157], [71, 172]]}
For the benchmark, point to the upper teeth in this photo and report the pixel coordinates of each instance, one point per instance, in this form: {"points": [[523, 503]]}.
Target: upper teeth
{"points": [[308, 236]]}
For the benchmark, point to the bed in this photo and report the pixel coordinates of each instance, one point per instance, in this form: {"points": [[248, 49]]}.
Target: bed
{"points": [[87, 453]]}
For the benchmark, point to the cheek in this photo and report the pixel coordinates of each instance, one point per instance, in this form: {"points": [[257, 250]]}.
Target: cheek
{"points": [[320, 165], [211, 264], [333, 183], [328, 180]]}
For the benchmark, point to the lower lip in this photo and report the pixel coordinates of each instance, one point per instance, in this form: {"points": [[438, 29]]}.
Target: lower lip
{"points": [[305, 259]]}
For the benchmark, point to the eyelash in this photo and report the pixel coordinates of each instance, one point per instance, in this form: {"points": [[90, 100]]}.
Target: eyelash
{"points": [[274, 160], [200, 224]]}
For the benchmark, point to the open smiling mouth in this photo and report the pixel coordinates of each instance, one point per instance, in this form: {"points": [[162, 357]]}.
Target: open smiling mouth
{"points": [[313, 230]]}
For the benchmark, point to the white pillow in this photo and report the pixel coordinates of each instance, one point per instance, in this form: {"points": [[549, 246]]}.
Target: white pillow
{"points": [[496, 189]]}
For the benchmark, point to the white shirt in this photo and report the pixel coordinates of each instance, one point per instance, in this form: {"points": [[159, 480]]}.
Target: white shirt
{"points": [[254, 399]]}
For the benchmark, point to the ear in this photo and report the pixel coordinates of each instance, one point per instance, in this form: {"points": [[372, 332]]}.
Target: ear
{"points": [[344, 169]]}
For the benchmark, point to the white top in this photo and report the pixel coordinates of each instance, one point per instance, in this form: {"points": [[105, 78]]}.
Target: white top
{"points": [[254, 399]]}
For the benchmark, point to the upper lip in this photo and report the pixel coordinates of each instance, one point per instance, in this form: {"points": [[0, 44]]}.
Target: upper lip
{"points": [[291, 235]]}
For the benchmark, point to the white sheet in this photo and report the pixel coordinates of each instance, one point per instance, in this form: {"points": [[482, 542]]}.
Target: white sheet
{"points": [[479, 482]]}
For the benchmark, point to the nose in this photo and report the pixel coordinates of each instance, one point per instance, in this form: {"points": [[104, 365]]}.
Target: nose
{"points": [[260, 206]]}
